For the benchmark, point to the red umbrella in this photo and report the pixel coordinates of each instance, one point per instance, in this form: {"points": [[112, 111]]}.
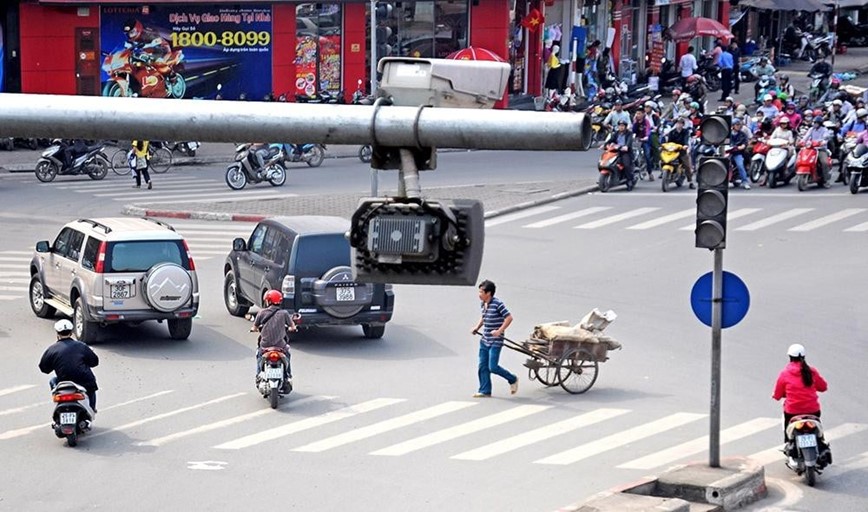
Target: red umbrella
{"points": [[473, 53], [688, 28]]}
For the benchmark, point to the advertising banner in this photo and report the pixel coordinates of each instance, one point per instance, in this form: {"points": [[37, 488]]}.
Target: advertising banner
{"points": [[317, 58], [186, 51]]}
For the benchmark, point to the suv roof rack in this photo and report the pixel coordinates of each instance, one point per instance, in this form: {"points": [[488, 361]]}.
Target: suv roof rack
{"points": [[96, 224], [161, 223]]}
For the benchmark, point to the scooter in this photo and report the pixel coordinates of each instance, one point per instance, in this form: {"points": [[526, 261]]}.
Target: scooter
{"points": [[612, 172], [673, 169], [819, 86], [808, 165], [187, 148], [710, 71], [804, 443], [94, 163], [246, 169], [271, 380], [779, 166], [72, 414], [311, 154], [856, 166], [360, 98]]}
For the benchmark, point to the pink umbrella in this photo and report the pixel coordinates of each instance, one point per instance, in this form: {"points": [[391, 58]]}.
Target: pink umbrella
{"points": [[688, 28], [473, 53]]}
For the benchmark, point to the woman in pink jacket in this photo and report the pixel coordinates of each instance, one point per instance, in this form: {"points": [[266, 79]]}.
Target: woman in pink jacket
{"points": [[798, 384]]}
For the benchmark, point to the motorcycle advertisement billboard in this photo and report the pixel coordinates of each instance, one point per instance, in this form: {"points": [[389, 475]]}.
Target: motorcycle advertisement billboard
{"points": [[170, 51]]}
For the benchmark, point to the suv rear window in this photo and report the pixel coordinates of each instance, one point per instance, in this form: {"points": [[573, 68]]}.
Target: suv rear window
{"points": [[139, 256], [314, 255]]}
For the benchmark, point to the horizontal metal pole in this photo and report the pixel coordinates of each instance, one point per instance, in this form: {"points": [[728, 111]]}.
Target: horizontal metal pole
{"points": [[95, 117]]}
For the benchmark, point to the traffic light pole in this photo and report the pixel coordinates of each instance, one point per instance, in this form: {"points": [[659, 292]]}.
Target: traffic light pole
{"points": [[716, 321], [373, 49]]}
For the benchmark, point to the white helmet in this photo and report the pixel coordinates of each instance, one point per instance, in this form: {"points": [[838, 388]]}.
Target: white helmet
{"points": [[62, 326], [651, 104], [796, 350], [861, 113], [683, 96]]}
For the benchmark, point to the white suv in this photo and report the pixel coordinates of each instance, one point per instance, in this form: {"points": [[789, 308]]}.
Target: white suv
{"points": [[114, 270]]}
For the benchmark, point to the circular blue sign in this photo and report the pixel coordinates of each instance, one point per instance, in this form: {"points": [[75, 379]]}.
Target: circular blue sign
{"points": [[736, 299]]}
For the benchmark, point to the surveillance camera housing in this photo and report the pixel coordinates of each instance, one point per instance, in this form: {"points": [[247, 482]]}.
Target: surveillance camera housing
{"points": [[442, 82]]}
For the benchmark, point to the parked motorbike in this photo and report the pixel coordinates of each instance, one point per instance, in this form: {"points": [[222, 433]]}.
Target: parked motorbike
{"points": [[271, 380], [856, 166], [137, 72], [611, 169], [598, 114], [808, 165], [26, 142], [670, 77], [187, 148], [779, 166], [805, 442], [94, 163], [673, 169], [72, 414], [7, 143], [710, 71], [246, 168]]}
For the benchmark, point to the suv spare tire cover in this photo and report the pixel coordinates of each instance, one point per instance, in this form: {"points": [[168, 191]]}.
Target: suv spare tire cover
{"points": [[167, 287], [342, 274]]}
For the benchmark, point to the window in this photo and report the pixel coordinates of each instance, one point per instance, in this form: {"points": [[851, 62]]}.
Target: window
{"points": [[75, 240], [269, 244], [91, 248], [316, 254], [256, 239], [318, 48], [139, 256], [61, 243], [280, 249]]}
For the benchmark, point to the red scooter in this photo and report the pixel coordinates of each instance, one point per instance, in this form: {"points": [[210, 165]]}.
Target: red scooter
{"points": [[757, 160], [808, 164]]}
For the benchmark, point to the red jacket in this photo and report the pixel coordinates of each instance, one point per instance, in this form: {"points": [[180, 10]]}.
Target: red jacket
{"points": [[799, 399]]}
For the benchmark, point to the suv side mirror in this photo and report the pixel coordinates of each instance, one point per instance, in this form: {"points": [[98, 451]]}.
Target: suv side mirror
{"points": [[42, 246], [237, 245]]}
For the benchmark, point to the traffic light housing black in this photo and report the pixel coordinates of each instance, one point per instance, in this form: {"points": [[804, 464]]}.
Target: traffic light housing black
{"points": [[384, 10], [412, 241], [712, 176]]}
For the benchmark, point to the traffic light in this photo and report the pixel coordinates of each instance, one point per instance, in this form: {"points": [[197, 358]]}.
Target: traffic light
{"points": [[412, 241], [384, 10], [384, 49], [712, 176]]}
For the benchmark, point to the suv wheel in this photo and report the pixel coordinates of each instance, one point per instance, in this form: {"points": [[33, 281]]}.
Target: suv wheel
{"points": [[230, 296], [180, 328], [373, 332], [84, 330], [37, 299]]}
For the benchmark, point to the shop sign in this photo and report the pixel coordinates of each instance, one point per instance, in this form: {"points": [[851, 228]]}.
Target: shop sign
{"points": [[187, 51]]}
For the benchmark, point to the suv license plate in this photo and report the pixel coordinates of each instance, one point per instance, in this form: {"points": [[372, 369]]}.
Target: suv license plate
{"points": [[274, 372], [67, 418], [345, 294], [808, 441], [120, 291]]}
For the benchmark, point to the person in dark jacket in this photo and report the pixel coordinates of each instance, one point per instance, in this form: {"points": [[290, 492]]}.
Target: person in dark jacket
{"points": [[623, 139], [70, 360], [681, 135]]}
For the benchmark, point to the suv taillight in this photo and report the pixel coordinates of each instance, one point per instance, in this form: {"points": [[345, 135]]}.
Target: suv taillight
{"points": [[288, 286], [100, 258], [189, 258]]}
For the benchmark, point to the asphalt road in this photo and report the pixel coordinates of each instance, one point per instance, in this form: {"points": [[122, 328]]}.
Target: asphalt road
{"points": [[390, 424]]}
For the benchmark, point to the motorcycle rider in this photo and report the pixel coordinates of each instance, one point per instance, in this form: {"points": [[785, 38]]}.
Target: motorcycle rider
{"points": [[851, 114], [769, 110], [623, 139], [149, 42], [856, 125], [70, 360], [764, 68], [616, 116], [798, 384], [738, 141], [73, 150], [272, 323], [819, 133], [696, 89], [670, 109], [642, 134], [679, 134], [791, 114], [784, 85]]}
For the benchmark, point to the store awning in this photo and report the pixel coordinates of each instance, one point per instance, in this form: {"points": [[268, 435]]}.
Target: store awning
{"points": [[787, 5], [848, 4]]}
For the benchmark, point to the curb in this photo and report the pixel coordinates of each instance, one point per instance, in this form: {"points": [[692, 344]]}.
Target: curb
{"points": [[140, 211]]}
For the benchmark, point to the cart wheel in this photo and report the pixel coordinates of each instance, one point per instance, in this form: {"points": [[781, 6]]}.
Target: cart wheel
{"points": [[547, 375], [577, 371]]}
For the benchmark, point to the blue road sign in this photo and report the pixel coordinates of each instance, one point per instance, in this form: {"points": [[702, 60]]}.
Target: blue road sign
{"points": [[736, 299]]}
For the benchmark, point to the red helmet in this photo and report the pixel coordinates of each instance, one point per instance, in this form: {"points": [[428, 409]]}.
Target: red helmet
{"points": [[676, 92], [692, 78], [818, 113], [272, 297]]}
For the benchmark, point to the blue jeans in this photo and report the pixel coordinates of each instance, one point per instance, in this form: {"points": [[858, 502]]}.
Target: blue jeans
{"points": [[489, 362], [91, 393], [646, 149], [738, 159]]}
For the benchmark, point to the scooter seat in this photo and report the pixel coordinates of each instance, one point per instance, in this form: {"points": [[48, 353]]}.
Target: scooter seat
{"points": [[67, 386]]}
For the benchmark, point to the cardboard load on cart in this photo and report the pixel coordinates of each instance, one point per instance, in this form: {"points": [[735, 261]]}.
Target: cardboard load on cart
{"points": [[589, 330]]}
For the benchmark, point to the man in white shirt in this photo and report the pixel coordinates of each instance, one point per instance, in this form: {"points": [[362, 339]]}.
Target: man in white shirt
{"points": [[687, 65]]}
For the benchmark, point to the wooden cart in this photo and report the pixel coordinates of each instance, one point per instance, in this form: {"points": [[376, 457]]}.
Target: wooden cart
{"points": [[573, 365]]}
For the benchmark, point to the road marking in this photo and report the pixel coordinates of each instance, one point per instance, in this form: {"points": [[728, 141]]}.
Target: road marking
{"points": [[567, 217], [16, 389], [117, 183], [384, 426], [13, 288], [626, 437], [225, 423], [308, 423], [774, 454], [22, 253], [665, 219], [464, 429], [20, 409], [232, 195], [169, 414], [828, 219], [11, 434], [742, 212], [171, 188], [541, 434], [700, 444], [858, 227], [774, 219], [530, 212], [23, 274], [617, 218], [15, 258]]}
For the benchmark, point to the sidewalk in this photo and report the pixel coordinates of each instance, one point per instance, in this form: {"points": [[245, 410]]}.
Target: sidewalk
{"points": [[498, 199]]}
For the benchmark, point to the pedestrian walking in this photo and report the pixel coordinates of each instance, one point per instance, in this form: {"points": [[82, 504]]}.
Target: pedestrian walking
{"points": [[140, 162], [494, 321], [736, 58], [725, 61], [687, 65]]}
